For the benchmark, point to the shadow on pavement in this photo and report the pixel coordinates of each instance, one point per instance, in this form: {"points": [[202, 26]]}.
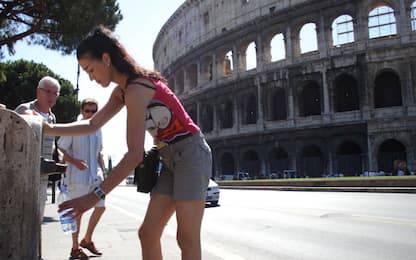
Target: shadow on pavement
{"points": [[50, 219]]}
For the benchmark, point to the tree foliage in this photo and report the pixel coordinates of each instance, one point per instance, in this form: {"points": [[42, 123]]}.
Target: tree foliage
{"points": [[18, 83], [55, 24]]}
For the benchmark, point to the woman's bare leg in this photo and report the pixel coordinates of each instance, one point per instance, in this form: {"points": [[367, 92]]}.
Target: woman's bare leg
{"points": [[189, 217], [160, 209]]}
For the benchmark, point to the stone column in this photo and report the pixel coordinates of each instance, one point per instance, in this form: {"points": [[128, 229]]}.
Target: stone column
{"points": [[325, 93], [20, 145], [260, 112], [289, 42], [214, 67]]}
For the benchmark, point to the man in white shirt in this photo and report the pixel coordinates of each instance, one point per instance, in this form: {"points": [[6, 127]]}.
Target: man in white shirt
{"points": [[85, 172]]}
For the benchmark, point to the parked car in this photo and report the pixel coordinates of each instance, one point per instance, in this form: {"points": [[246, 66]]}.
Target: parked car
{"points": [[241, 176], [212, 195], [130, 179]]}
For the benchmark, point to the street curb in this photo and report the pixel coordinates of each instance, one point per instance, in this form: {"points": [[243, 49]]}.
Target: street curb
{"points": [[332, 189]]}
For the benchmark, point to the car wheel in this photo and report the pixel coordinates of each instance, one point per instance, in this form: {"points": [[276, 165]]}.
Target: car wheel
{"points": [[214, 203]]}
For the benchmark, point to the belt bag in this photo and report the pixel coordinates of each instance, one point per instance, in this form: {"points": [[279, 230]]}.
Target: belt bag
{"points": [[147, 172]]}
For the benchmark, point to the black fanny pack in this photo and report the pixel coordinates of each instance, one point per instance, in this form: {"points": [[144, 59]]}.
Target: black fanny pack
{"points": [[147, 172]]}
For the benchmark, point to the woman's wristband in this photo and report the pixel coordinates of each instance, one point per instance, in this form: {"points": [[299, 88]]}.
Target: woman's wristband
{"points": [[99, 192]]}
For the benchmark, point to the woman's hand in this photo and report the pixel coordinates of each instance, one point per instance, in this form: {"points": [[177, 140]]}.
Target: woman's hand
{"points": [[79, 205]]}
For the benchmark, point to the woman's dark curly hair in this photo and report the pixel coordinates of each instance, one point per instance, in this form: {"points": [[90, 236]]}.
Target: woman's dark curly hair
{"points": [[102, 40]]}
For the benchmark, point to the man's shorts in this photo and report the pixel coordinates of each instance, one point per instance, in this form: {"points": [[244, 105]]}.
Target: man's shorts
{"points": [[187, 167], [78, 190]]}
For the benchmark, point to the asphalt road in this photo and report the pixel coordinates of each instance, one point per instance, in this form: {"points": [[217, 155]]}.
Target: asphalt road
{"points": [[259, 224]]}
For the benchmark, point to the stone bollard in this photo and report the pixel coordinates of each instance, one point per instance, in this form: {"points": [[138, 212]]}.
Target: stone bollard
{"points": [[20, 144]]}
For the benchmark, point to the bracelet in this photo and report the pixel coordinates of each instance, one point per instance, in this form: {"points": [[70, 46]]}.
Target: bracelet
{"points": [[99, 192]]}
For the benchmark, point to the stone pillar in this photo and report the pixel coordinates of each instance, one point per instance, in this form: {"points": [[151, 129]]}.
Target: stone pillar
{"points": [[325, 91], [260, 112], [291, 92], [198, 112], [289, 42], [20, 145], [214, 67], [186, 84], [371, 160]]}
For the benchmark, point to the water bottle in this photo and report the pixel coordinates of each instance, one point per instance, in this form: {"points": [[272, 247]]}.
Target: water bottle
{"points": [[68, 224]]}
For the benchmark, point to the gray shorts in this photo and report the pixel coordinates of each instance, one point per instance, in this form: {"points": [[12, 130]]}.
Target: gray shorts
{"points": [[187, 167]]}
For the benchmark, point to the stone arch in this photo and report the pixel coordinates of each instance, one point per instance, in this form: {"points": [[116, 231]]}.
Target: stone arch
{"points": [[192, 76], [277, 47], [348, 159], [225, 114], [346, 93], [180, 82], [226, 62], [250, 56], [278, 161], [192, 112], [413, 15], [387, 89], [308, 31], [207, 68], [227, 166], [247, 54], [389, 151], [251, 163], [277, 105], [312, 162], [274, 44], [248, 109], [310, 99], [207, 118], [342, 30], [171, 84], [381, 21]]}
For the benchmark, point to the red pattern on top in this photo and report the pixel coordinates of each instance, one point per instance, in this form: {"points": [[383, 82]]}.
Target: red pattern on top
{"points": [[180, 123]]}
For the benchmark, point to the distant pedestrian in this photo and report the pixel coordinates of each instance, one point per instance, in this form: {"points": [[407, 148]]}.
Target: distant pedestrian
{"points": [[85, 172], [153, 106]]}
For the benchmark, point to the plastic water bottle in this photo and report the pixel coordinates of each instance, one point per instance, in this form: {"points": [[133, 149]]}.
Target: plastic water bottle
{"points": [[68, 224]]}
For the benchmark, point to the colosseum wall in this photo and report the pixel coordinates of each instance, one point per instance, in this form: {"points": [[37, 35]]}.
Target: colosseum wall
{"points": [[345, 105]]}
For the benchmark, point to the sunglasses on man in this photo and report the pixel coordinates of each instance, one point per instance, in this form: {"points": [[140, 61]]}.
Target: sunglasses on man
{"points": [[90, 111]]}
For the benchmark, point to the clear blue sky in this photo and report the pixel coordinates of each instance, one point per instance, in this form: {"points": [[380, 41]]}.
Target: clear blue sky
{"points": [[141, 23]]}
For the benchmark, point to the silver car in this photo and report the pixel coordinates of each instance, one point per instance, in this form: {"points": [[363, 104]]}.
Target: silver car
{"points": [[130, 179], [212, 195]]}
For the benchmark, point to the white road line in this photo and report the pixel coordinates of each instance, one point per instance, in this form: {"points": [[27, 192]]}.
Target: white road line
{"points": [[125, 212], [171, 231]]}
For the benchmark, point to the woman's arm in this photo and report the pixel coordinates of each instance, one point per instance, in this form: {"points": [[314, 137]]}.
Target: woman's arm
{"points": [[83, 127], [137, 99]]}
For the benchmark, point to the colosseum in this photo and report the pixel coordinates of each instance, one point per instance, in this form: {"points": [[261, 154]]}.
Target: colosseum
{"points": [[299, 87]]}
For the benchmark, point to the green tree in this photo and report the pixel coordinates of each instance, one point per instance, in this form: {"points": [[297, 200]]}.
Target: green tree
{"points": [[55, 24], [18, 82]]}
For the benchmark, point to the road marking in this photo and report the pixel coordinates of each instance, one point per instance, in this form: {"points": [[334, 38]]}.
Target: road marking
{"points": [[388, 220], [125, 212], [221, 252], [170, 230]]}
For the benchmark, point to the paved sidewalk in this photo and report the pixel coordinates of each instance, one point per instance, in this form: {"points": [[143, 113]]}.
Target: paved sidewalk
{"points": [[115, 235]]}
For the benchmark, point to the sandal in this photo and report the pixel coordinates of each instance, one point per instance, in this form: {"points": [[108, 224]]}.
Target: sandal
{"points": [[78, 254], [90, 246]]}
